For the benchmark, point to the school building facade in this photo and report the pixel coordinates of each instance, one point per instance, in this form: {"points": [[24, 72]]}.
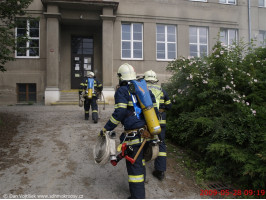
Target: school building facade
{"points": [[70, 37]]}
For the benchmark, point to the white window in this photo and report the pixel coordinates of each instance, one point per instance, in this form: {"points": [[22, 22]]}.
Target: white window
{"points": [[228, 36], [28, 38], [262, 38], [228, 1], [165, 42], [132, 41], [198, 41], [262, 3]]}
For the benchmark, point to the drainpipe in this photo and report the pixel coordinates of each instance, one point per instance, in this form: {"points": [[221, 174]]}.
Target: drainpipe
{"points": [[249, 23]]}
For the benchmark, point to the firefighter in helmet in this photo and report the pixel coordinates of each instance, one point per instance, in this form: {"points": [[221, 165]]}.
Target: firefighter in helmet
{"points": [[163, 103], [125, 113], [90, 90]]}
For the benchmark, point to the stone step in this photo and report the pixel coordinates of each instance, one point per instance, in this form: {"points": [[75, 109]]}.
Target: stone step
{"points": [[71, 97]]}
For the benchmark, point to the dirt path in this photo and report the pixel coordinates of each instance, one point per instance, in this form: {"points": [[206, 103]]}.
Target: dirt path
{"points": [[52, 155]]}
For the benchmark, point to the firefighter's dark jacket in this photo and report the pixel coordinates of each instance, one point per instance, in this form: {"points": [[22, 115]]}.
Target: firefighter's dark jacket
{"points": [[98, 87], [124, 111]]}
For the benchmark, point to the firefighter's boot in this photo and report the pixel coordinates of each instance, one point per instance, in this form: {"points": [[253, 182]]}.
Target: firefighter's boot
{"points": [[95, 117], [158, 174], [86, 116]]}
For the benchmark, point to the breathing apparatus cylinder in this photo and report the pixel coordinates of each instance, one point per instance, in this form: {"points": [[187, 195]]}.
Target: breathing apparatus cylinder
{"points": [[151, 119], [146, 105], [90, 87]]}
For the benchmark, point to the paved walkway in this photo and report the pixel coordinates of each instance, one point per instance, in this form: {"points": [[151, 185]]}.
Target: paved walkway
{"points": [[52, 155]]}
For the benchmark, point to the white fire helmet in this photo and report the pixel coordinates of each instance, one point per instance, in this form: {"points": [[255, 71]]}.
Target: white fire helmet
{"points": [[126, 72], [90, 74], [150, 76]]}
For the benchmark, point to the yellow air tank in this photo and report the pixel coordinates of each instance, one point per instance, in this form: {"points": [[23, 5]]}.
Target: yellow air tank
{"points": [[151, 119], [89, 93]]}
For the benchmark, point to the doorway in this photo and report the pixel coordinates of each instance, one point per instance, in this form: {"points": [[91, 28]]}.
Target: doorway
{"points": [[81, 59]]}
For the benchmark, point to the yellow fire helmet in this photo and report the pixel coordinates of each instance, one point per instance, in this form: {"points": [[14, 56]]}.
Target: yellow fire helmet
{"points": [[126, 72], [150, 76]]}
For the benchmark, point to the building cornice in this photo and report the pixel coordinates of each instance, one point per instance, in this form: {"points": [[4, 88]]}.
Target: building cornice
{"points": [[175, 19], [99, 3], [52, 15], [108, 17]]}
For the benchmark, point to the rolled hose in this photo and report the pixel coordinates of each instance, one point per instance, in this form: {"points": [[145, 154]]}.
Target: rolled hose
{"points": [[103, 148]]}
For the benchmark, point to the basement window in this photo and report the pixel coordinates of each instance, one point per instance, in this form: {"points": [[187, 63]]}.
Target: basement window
{"points": [[26, 92]]}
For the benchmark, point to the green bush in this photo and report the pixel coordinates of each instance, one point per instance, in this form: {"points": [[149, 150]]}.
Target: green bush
{"points": [[219, 111]]}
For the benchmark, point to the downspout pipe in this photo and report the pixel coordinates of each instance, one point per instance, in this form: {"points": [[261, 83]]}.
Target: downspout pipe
{"points": [[249, 22]]}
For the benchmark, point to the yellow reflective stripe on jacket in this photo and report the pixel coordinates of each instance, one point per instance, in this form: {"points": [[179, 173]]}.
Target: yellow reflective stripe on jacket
{"points": [[114, 121], [161, 100], [130, 103], [162, 154], [168, 102], [143, 162], [136, 178], [137, 141], [162, 121], [121, 105]]}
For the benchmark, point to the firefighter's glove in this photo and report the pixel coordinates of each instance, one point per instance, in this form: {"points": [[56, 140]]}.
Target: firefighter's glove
{"points": [[102, 132]]}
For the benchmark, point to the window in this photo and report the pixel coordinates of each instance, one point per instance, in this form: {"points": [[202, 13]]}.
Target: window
{"points": [[228, 36], [165, 42], [262, 38], [28, 37], [262, 3], [132, 34], [228, 1], [26, 92], [198, 41]]}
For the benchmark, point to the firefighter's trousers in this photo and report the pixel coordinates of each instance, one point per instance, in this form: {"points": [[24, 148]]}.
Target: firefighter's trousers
{"points": [[160, 161], [90, 103], [136, 175]]}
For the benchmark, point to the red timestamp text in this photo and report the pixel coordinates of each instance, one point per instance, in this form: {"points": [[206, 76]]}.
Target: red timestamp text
{"points": [[233, 192]]}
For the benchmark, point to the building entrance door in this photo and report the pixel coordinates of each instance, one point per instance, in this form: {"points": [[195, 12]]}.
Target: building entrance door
{"points": [[81, 59]]}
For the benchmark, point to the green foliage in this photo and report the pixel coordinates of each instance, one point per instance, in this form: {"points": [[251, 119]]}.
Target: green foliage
{"points": [[219, 111], [9, 10]]}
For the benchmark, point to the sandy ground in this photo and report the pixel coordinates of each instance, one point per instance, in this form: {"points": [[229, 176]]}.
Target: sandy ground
{"points": [[52, 155]]}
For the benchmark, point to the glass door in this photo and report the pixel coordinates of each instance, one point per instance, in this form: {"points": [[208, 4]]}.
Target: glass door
{"points": [[81, 59]]}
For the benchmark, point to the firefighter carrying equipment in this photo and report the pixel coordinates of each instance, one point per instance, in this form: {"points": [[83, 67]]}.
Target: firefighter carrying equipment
{"points": [[146, 104], [90, 87], [104, 149]]}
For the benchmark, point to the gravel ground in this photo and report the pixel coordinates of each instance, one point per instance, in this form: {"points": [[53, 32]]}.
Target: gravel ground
{"points": [[50, 153]]}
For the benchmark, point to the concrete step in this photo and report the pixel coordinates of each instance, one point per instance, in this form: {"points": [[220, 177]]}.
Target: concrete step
{"points": [[71, 97]]}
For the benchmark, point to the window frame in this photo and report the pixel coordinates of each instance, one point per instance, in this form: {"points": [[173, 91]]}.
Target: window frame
{"points": [[263, 42], [132, 41], [165, 42], [198, 40], [29, 39], [27, 92], [264, 4], [227, 3], [228, 35]]}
